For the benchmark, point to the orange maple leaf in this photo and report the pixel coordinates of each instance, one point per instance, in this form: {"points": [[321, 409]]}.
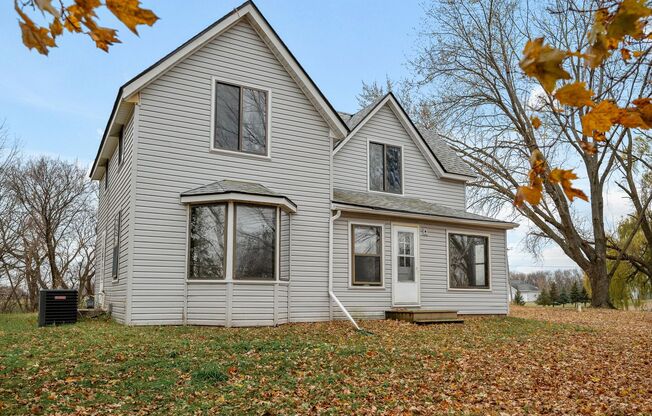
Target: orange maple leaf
{"points": [[601, 118], [565, 178], [131, 14], [536, 122], [575, 95], [543, 62]]}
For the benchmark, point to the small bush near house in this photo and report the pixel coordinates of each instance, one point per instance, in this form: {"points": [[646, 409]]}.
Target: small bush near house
{"points": [[518, 298]]}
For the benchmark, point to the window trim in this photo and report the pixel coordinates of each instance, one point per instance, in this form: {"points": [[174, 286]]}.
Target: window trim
{"points": [[230, 236], [368, 172], [448, 267], [189, 238], [268, 119], [351, 254]]}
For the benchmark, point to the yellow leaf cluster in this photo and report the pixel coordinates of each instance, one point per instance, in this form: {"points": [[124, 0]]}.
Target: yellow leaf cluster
{"points": [[80, 17], [536, 122], [544, 63], [610, 29], [575, 95]]}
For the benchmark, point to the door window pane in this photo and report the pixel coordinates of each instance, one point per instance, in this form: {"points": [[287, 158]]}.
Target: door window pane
{"points": [[366, 254], [468, 267], [207, 224], [254, 114], [227, 116], [406, 269], [376, 167], [255, 242]]}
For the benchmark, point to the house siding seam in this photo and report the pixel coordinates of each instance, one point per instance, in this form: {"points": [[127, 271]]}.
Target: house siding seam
{"points": [[173, 156], [117, 198], [419, 179]]}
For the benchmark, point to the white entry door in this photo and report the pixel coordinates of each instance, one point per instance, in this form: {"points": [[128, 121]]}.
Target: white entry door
{"points": [[405, 265]]}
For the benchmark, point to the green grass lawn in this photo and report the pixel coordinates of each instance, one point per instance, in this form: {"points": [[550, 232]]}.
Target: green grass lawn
{"points": [[101, 367]]}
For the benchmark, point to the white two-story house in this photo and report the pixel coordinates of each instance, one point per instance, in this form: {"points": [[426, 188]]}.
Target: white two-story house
{"points": [[232, 193]]}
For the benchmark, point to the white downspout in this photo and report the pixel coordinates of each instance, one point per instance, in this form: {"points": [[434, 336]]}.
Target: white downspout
{"points": [[330, 271]]}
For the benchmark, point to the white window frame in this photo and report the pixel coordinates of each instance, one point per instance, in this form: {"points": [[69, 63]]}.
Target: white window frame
{"points": [[349, 250], [229, 249], [367, 164], [211, 135], [488, 261]]}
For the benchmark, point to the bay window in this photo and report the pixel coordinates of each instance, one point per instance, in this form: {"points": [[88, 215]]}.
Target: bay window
{"points": [[468, 261], [255, 242], [233, 241], [207, 242]]}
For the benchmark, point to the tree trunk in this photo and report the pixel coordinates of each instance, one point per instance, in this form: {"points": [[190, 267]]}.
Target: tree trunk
{"points": [[599, 286]]}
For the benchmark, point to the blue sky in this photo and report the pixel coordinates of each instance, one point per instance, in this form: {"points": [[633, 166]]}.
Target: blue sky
{"points": [[58, 105]]}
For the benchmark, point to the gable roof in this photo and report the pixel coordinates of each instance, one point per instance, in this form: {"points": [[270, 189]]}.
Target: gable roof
{"points": [[127, 94], [445, 154], [441, 157]]}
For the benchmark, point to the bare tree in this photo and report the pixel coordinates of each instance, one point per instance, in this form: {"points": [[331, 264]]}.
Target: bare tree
{"points": [[469, 68]]}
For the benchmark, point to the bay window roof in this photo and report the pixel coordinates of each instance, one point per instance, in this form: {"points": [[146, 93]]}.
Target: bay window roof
{"points": [[230, 190]]}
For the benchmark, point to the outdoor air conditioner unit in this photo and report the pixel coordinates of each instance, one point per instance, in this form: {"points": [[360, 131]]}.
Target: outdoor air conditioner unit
{"points": [[57, 306]]}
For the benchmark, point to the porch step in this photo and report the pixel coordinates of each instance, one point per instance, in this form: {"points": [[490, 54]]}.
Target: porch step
{"points": [[424, 316]]}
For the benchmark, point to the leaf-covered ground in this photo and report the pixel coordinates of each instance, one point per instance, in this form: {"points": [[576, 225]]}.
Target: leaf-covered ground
{"points": [[539, 361]]}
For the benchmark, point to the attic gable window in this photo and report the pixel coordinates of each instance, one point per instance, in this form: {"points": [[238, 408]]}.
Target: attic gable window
{"points": [[385, 168], [241, 119]]}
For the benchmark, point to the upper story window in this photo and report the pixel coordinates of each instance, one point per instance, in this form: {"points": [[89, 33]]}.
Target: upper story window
{"points": [[241, 119], [385, 168], [106, 176], [468, 261]]}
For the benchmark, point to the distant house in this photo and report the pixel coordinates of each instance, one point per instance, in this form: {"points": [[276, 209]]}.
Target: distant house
{"points": [[232, 193], [529, 291]]}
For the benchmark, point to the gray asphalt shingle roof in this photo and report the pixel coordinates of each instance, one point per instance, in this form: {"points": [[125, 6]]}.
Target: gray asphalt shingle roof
{"points": [[451, 162], [404, 204], [225, 186]]}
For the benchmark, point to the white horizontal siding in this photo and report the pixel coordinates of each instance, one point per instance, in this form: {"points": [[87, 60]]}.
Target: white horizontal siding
{"points": [[173, 156], [419, 179], [366, 302], [116, 198]]}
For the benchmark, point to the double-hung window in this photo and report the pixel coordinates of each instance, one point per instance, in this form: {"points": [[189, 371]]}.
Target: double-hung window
{"points": [[366, 255], [241, 119], [385, 168], [468, 261], [253, 248]]}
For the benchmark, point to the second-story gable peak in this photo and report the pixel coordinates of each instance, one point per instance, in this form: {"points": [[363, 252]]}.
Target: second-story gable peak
{"points": [[444, 161], [254, 17]]}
